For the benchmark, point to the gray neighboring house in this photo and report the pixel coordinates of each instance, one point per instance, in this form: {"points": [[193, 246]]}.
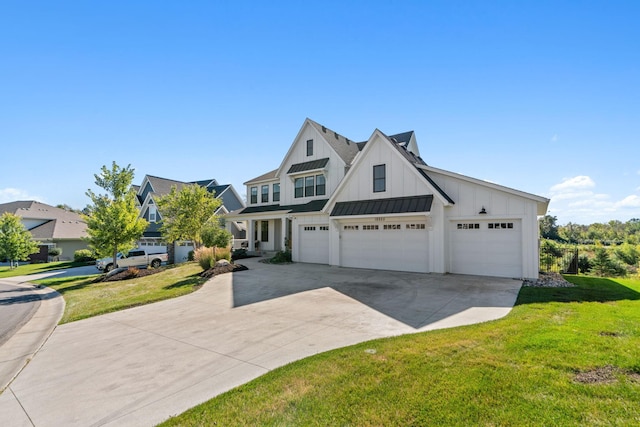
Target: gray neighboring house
{"points": [[50, 227], [153, 187]]}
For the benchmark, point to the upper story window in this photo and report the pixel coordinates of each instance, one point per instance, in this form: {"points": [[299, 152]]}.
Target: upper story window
{"points": [[152, 214], [276, 192], [310, 147], [320, 185], [254, 195], [265, 194], [379, 178], [309, 186], [299, 187]]}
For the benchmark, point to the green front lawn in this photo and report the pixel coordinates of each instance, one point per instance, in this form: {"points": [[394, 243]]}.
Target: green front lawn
{"points": [[26, 269], [563, 356], [86, 299]]}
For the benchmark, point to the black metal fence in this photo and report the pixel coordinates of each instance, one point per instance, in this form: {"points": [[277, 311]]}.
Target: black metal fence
{"points": [[559, 260]]}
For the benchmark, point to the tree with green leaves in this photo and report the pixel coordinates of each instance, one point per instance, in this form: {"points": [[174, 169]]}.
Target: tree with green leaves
{"points": [[112, 221], [214, 236], [185, 213], [549, 227], [16, 243]]}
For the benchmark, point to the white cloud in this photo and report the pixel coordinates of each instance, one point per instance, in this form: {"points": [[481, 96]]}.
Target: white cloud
{"points": [[572, 184], [14, 194], [632, 201]]}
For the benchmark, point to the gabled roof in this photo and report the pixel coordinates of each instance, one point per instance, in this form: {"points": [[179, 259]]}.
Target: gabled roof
{"points": [[344, 147], [56, 223], [264, 177], [219, 189], [162, 186]]}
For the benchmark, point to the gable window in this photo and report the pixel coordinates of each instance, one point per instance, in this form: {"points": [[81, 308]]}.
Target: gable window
{"points": [[276, 192], [379, 178], [265, 194], [299, 187], [320, 185], [152, 214], [310, 147], [254, 195], [308, 186]]}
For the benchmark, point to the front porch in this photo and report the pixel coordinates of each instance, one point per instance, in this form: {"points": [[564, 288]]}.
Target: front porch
{"points": [[269, 234]]}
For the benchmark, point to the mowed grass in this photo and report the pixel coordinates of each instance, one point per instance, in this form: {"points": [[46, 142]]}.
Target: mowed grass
{"points": [[84, 298], [520, 370], [26, 269]]}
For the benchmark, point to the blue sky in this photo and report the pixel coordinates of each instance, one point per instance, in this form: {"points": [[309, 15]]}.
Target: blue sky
{"points": [[539, 96]]}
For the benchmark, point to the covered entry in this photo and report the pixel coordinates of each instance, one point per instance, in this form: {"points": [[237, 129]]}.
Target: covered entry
{"points": [[487, 248]]}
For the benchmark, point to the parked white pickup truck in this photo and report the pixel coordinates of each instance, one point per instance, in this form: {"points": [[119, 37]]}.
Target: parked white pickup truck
{"points": [[135, 258]]}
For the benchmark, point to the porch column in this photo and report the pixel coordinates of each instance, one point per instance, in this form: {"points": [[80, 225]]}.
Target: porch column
{"points": [[250, 239], [283, 233]]}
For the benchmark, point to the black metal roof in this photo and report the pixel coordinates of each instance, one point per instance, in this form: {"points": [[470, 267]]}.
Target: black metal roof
{"points": [[384, 206], [436, 186], [312, 206], [307, 166]]}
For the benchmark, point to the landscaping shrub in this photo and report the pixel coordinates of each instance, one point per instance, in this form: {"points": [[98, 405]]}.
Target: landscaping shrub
{"points": [[281, 257], [223, 253], [602, 265], [205, 258], [239, 254], [132, 273], [54, 252], [83, 255], [584, 265], [191, 256]]}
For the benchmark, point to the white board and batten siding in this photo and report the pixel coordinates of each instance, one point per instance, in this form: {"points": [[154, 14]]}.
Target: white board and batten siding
{"points": [[313, 243]]}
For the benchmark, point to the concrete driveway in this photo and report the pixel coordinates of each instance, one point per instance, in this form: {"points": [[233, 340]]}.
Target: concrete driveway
{"points": [[140, 366]]}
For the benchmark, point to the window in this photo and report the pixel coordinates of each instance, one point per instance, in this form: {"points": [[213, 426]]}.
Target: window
{"points": [[264, 233], [320, 185], [309, 228], [254, 195], [299, 187], [500, 225], [152, 214], [308, 186], [379, 178], [265, 194], [324, 228], [310, 147], [276, 192], [370, 227], [415, 226], [474, 226], [392, 227], [350, 227]]}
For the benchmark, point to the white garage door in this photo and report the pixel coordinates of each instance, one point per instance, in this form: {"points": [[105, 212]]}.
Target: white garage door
{"points": [[486, 248], [313, 241], [182, 250], [398, 245]]}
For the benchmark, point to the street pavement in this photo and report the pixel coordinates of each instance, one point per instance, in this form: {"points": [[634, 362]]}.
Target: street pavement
{"points": [[17, 305], [140, 366]]}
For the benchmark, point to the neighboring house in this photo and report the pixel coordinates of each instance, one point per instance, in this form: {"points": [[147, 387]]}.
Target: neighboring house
{"points": [[50, 227], [153, 187], [377, 204]]}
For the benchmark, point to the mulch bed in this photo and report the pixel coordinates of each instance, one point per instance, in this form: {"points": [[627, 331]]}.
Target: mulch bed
{"points": [[131, 273], [221, 269]]}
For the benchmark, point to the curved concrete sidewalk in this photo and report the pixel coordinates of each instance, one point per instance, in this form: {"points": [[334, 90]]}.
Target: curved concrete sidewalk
{"points": [[24, 344], [140, 366]]}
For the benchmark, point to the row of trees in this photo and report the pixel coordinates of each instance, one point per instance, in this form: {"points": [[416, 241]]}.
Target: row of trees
{"points": [[114, 225], [113, 222], [611, 233]]}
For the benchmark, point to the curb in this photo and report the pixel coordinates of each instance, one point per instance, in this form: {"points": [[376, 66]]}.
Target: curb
{"points": [[17, 352]]}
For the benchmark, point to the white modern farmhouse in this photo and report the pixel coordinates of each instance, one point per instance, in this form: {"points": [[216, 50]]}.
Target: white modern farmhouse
{"points": [[377, 204]]}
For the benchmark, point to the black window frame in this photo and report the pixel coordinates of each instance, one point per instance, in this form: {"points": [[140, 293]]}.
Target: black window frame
{"points": [[253, 198], [321, 189], [298, 190], [309, 147], [264, 193], [379, 182], [264, 231], [309, 189], [276, 194]]}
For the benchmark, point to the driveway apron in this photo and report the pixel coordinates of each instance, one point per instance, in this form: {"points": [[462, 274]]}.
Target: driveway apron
{"points": [[140, 366]]}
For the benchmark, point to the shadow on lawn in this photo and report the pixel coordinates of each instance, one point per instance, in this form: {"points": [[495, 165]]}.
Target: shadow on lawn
{"points": [[587, 289], [192, 280]]}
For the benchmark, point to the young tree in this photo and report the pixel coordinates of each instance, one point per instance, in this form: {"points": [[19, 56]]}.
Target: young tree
{"points": [[549, 228], [16, 243], [186, 211], [112, 222], [214, 236]]}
